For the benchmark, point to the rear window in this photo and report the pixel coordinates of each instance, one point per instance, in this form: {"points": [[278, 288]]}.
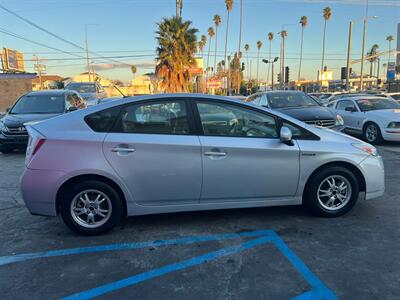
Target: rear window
{"points": [[39, 104], [103, 121], [81, 88]]}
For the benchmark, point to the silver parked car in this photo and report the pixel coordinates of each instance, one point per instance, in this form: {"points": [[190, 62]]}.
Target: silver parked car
{"points": [[185, 152], [375, 118]]}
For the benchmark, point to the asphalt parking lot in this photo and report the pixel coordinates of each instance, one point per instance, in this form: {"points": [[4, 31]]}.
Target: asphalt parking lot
{"points": [[268, 253]]}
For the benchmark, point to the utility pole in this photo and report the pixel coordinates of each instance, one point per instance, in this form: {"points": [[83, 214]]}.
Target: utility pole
{"points": [[39, 69], [87, 55], [240, 45], [362, 54], [179, 6], [349, 56]]}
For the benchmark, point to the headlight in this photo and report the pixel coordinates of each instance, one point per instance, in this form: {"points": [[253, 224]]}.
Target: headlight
{"points": [[394, 125], [371, 150], [339, 120]]}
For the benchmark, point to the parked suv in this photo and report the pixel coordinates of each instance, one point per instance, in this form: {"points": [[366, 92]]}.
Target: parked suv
{"points": [[92, 92], [185, 152], [299, 105], [34, 106]]}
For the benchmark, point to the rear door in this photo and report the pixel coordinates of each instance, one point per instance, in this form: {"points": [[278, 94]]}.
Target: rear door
{"points": [[243, 158], [153, 150]]}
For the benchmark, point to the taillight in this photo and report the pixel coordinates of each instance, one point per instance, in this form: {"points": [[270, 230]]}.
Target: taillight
{"points": [[39, 144]]}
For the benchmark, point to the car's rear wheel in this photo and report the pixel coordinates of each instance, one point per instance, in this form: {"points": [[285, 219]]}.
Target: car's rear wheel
{"points": [[372, 134], [331, 192], [91, 207]]}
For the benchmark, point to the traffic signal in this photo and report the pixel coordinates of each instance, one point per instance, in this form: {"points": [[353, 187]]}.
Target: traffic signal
{"points": [[286, 74], [343, 73], [243, 66], [279, 78]]}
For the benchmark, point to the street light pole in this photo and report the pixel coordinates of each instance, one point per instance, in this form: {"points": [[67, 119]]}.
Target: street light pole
{"points": [[87, 55], [349, 56], [362, 54], [39, 69]]}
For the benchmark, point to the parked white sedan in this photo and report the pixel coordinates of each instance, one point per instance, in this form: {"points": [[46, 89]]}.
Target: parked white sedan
{"points": [[376, 118]]}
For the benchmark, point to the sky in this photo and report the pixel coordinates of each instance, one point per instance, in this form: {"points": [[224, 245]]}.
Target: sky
{"points": [[124, 31]]}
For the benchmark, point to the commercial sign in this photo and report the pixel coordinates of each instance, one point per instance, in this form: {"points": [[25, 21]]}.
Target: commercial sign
{"points": [[391, 71], [12, 60], [198, 70], [214, 83]]}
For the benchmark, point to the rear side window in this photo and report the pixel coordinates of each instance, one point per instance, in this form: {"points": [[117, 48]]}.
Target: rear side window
{"points": [[103, 121], [164, 117]]}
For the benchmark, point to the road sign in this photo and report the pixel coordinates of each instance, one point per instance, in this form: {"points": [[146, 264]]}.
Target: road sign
{"points": [[12, 60]]}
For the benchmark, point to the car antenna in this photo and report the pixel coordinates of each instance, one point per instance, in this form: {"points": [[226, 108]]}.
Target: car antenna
{"points": [[123, 95]]}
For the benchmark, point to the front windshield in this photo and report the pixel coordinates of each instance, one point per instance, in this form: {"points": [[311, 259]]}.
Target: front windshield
{"points": [[284, 99], [39, 104], [82, 88], [377, 103]]}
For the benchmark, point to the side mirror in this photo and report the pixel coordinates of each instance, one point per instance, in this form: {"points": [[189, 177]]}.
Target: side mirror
{"points": [[286, 135], [72, 108], [350, 109]]}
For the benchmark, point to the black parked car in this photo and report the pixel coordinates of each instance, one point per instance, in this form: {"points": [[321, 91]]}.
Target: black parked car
{"points": [[299, 106], [34, 106]]}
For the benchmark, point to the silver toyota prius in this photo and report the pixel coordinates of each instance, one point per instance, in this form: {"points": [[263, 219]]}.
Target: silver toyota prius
{"points": [[184, 152]]}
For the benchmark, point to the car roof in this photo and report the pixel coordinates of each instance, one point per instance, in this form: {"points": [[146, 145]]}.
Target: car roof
{"points": [[49, 92]]}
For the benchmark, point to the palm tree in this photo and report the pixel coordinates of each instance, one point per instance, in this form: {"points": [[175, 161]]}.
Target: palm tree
{"points": [[270, 38], [217, 22], [284, 34], [202, 44], [390, 39], [259, 45], [177, 45], [326, 13], [229, 7], [211, 33], [304, 23], [247, 48]]}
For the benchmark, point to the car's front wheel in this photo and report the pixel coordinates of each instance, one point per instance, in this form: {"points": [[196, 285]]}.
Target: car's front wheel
{"points": [[91, 207], [372, 134], [331, 192]]}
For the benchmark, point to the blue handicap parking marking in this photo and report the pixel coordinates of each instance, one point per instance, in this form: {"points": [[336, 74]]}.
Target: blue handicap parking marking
{"points": [[261, 237]]}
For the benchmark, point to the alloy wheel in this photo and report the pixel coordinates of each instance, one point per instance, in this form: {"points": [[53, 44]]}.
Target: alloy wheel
{"points": [[334, 192]]}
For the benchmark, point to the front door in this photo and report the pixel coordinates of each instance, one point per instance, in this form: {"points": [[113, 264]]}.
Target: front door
{"points": [[153, 151], [243, 158]]}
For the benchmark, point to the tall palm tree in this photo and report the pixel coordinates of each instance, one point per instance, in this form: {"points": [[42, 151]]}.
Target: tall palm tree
{"points": [[303, 23], [217, 22], [229, 7], [270, 39], [326, 13], [284, 34], [247, 48], [177, 45], [202, 44], [390, 39], [211, 34], [259, 45]]}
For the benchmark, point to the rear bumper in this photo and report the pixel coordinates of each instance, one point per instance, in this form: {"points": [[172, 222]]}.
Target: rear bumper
{"points": [[374, 174], [39, 190]]}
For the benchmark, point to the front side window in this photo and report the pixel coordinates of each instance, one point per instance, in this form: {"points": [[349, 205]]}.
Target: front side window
{"points": [[220, 119], [39, 104], [166, 117], [342, 105]]}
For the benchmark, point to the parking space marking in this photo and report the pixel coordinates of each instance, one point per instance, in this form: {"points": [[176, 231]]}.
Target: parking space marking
{"points": [[318, 288]]}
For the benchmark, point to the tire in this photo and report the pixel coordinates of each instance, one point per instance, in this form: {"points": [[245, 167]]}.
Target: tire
{"points": [[372, 134], [83, 206], [318, 197]]}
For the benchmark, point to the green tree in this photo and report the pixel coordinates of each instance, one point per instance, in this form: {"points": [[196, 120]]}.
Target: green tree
{"points": [[327, 14], [217, 22], [229, 7], [177, 45], [303, 23], [202, 44], [259, 46], [390, 39], [211, 34], [372, 60], [270, 39], [247, 48]]}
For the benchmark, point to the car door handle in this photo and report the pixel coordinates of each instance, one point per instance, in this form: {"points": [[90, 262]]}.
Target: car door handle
{"points": [[125, 150], [210, 153]]}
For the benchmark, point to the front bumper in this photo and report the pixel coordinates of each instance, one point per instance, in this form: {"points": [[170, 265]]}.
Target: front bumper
{"points": [[374, 174], [39, 190], [392, 135], [14, 141]]}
